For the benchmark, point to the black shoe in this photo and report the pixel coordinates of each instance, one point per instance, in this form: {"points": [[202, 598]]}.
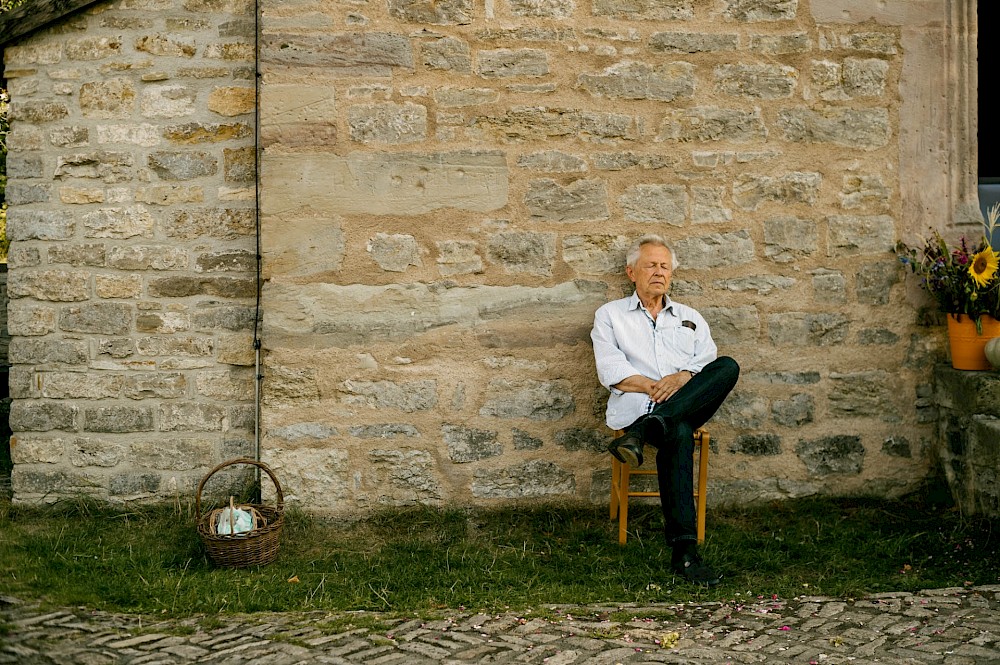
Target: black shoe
{"points": [[690, 566], [627, 449]]}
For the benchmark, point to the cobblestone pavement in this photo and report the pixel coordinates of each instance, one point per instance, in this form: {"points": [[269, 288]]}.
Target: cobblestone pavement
{"points": [[946, 626]]}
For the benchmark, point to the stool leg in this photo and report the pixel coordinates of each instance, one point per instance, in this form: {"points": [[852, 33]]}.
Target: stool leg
{"points": [[615, 487], [623, 509], [702, 484]]}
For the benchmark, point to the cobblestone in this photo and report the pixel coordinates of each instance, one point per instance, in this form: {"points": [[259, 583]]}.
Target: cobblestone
{"points": [[956, 626]]}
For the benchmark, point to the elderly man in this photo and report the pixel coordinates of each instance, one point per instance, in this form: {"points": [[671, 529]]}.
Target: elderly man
{"points": [[657, 358]]}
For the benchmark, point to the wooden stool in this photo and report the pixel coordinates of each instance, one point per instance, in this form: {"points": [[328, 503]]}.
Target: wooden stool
{"points": [[620, 492]]}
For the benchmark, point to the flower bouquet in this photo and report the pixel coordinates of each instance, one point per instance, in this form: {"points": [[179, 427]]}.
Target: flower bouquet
{"points": [[963, 279]]}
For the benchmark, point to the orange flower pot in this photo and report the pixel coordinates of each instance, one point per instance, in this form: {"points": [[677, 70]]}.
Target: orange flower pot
{"points": [[968, 348]]}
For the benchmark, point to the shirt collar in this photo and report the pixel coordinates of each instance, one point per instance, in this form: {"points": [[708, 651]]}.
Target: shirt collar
{"points": [[668, 304]]}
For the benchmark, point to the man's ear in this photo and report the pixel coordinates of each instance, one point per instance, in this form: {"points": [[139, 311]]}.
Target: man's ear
{"points": [[630, 273]]}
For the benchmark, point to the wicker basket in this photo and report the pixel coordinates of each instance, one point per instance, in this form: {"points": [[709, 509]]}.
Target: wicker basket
{"points": [[256, 547]]}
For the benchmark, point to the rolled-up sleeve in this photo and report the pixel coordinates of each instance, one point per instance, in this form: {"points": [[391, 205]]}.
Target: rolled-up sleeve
{"points": [[612, 365]]}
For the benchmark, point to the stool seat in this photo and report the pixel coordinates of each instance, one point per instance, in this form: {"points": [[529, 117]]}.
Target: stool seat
{"points": [[621, 474]]}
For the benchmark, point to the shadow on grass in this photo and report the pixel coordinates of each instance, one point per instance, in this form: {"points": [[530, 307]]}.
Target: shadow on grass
{"points": [[150, 560]]}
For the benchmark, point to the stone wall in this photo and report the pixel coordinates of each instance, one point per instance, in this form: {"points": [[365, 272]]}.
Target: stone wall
{"points": [[448, 190], [133, 257], [969, 437]]}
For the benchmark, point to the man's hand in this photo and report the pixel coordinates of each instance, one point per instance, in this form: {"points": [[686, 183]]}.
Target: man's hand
{"points": [[658, 391], [662, 390]]}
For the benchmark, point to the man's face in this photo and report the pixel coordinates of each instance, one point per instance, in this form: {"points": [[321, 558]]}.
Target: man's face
{"points": [[652, 271]]}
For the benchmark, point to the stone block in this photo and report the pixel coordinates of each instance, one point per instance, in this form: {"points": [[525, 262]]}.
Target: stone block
{"points": [[455, 97], [79, 385], [313, 477], [897, 446], [81, 195], [712, 123], [395, 253], [832, 455], [874, 281], [523, 251], [154, 385], [49, 484], [528, 124], [134, 485], [118, 223], [111, 98], [305, 430], [219, 223], [861, 191], [83, 452], [93, 48], [193, 133], [71, 136], [829, 286], [750, 191], [733, 325], [795, 411], [387, 184], [144, 135], [762, 284], [222, 317], [458, 257], [23, 193], [757, 445], [165, 46], [447, 54], [744, 411], [584, 439], [807, 329], [781, 44], [752, 11], [110, 286], [162, 322], [531, 479], [42, 416], [656, 10], [28, 351], [104, 318], [408, 397], [190, 346], [595, 254], [388, 123], [36, 112], [234, 349], [756, 81], [788, 238], [466, 444], [558, 9], [232, 101], [40, 225], [31, 450], [33, 53], [867, 129], [655, 203], [166, 453], [403, 477], [851, 235], [506, 63], [111, 167], [552, 161], [52, 285], [446, 12], [231, 260], [357, 53], [524, 441], [239, 164], [530, 399], [223, 287], [168, 100], [638, 80], [118, 419], [877, 337], [20, 257], [385, 431], [582, 200], [146, 257], [693, 42], [707, 205], [172, 165], [169, 195], [714, 250], [783, 378], [229, 385], [870, 393], [29, 320], [191, 417]]}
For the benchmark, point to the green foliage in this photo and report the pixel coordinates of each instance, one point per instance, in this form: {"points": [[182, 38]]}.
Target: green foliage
{"points": [[426, 560]]}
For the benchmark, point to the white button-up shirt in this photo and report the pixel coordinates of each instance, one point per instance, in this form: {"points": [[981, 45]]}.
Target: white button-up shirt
{"points": [[627, 341]]}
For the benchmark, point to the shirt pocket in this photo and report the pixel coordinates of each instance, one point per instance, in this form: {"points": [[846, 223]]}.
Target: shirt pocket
{"points": [[684, 340]]}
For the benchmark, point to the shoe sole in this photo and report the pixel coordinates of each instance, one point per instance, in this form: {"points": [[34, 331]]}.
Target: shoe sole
{"points": [[620, 454]]}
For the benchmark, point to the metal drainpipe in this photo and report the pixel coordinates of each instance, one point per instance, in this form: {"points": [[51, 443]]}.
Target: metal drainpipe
{"points": [[258, 377]]}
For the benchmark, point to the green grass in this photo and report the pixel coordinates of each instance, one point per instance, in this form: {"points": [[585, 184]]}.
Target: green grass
{"points": [[421, 560]]}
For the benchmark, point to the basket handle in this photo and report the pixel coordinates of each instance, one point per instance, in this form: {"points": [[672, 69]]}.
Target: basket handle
{"points": [[241, 460]]}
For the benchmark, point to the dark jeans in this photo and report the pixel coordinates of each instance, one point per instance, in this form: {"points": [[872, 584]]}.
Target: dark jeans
{"points": [[686, 410]]}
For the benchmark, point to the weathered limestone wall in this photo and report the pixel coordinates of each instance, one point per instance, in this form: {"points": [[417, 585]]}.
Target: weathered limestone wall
{"points": [[969, 436], [448, 189], [133, 261]]}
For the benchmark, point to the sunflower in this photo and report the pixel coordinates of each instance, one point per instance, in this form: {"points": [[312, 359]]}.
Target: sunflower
{"points": [[984, 266]]}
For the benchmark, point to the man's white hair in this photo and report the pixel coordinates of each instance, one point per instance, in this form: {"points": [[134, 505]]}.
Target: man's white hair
{"points": [[650, 239]]}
